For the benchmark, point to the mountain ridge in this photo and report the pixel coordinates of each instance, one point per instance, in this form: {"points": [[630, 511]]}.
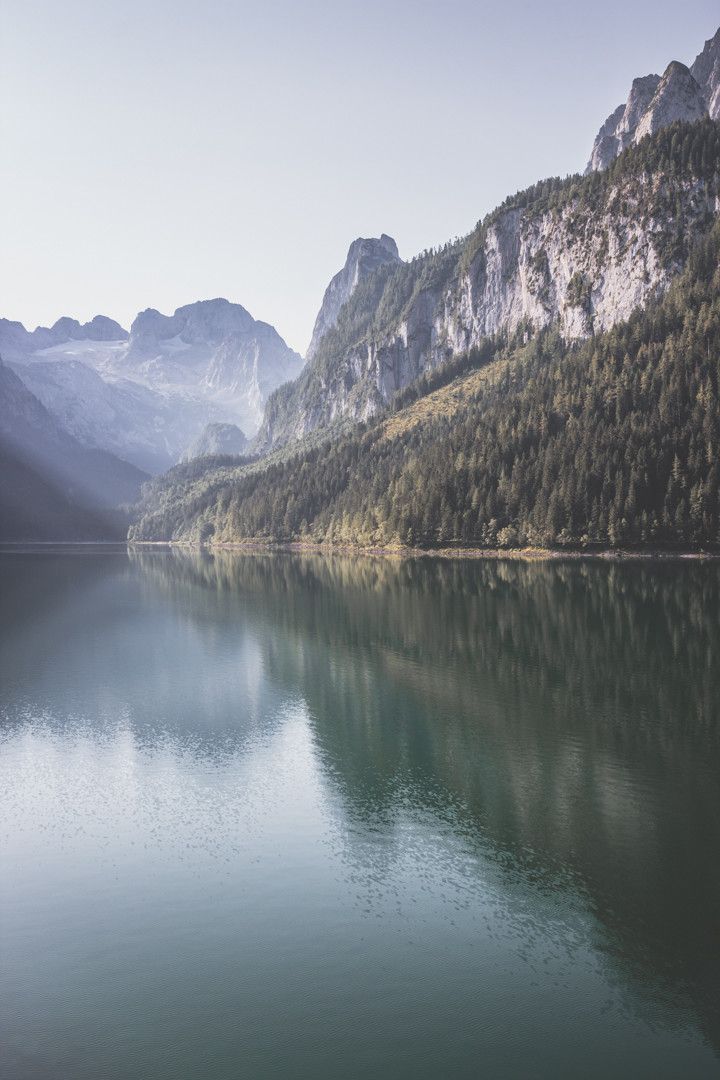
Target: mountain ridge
{"points": [[604, 442], [583, 252], [682, 93], [147, 393]]}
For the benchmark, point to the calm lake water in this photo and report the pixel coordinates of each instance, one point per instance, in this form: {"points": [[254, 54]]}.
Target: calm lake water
{"points": [[289, 816]]}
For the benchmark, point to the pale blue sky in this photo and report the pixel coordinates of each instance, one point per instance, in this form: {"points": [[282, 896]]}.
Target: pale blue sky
{"points": [[158, 153]]}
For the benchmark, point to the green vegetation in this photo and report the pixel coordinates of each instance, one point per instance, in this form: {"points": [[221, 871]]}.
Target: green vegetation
{"points": [[646, 184], [610, 442], [579, 291], [526, 439]]}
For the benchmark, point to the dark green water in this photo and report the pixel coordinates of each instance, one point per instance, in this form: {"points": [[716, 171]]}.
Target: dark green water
{"points": [[278, 816]]}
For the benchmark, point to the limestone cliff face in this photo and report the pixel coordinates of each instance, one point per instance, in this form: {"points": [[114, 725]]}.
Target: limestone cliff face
{"points": [[364, 256], [678, 97], [247, 365], [619, 129], [580, 268], [706, 72], [653, 103], [681, 94]]}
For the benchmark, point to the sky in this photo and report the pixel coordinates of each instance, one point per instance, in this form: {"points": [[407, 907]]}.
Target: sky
{"points": [[158, 153]]}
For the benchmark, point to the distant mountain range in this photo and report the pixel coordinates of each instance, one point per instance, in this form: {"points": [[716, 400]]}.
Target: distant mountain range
{"points": [[147, 394]]}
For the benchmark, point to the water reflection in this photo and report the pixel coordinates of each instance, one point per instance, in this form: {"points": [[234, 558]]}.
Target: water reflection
{"points": [[553, 727], [566, 715]]}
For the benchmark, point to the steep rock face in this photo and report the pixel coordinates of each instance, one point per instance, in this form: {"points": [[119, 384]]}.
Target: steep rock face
{"points": [[605, 148], [641, 94], [678, 97], [682, 94], [706, 72], [248, 365], [363, 257], [216, 439], [619, 129], [582, 266]]}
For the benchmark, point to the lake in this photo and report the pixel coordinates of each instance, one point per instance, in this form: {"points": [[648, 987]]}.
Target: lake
{"points": [[268, 815]]}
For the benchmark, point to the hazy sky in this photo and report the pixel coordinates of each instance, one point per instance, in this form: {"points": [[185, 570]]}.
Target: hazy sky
{"points": [[157, 153]]}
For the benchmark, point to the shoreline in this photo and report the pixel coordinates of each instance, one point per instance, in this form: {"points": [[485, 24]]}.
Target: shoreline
{"points": [[528, 554]]}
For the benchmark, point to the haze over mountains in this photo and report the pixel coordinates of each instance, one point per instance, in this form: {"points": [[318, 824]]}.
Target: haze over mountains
{"points": [[147, 394], [575, 257], [52, 487]]}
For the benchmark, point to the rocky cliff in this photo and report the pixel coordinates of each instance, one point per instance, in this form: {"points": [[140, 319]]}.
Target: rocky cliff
{"points": [[363, 257], [581, 254], [685, 94], [706, 72]]}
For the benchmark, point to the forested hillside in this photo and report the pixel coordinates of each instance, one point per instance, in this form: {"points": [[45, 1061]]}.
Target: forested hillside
{"points": [[613, 441], [579, 253]]}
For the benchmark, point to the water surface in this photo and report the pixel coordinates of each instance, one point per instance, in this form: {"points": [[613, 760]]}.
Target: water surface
{"points": [[275, 815]]}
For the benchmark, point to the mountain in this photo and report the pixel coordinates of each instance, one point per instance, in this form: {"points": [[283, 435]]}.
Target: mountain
{"points": [[145, 427], [685, 94], [608, 441], [706, 72], [363, 257], [216, 440], [16, 342], [580, 254], [214, 350], [51, 487], [147, 394]]}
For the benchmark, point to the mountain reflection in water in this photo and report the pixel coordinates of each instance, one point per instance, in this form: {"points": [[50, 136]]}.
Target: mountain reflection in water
{"points": [[525, 757]]}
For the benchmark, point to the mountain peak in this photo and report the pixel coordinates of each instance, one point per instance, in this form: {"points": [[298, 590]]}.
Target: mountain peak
{"points": [[365, 255], [683, 93], [678, 97], [619, 129], [706, 72], [676, 68], [209, 321], [382, 247], [205, 322]]}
